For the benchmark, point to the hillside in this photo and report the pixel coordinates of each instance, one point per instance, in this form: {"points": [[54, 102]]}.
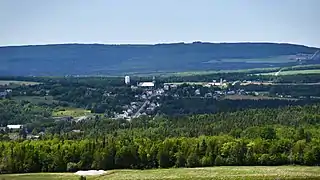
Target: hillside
{"points": [[92, 59]]}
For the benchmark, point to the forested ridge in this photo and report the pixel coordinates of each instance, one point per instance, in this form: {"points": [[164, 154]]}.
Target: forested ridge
{"points": [[94, 59], [278, 136]]}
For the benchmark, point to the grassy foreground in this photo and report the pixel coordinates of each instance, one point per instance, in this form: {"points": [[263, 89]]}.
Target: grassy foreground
{"points": [[221, 173]]}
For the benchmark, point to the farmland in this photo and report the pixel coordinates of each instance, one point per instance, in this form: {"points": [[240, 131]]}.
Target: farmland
{"points": [[232, 173]]}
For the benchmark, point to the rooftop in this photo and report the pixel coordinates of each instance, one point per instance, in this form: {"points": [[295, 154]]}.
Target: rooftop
{"points": [[146, 84], [14, 126]]}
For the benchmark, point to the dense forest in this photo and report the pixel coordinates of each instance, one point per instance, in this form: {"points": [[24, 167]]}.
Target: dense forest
{"points": [[184, 106]]}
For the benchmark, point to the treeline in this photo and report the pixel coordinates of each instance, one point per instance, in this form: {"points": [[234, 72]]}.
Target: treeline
{"points": [[58, 155], [196, 105], [21, 113], [298, 78]]}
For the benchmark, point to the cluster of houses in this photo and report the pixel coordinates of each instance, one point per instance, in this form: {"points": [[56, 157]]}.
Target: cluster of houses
{"points": [[142, 106], [15, 129], [5, 93]]}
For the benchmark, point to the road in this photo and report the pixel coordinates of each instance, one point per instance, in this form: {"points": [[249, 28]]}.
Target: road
{"points": [[277, 73], [138, 113]]}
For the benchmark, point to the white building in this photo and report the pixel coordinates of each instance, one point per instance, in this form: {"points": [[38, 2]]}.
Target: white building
{"points": [[146, 84], [166, 87], [127, 79], [197, 92], [14, 126]]}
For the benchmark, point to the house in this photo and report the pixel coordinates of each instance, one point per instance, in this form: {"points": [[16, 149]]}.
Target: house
{"points": [[197, 92], [134, 107], [173, 86], [32, 137], [208, 95], [231, 92], [160, 91], [214, 84], [3, 94], [133, 103], [15, 126], [149, 93], [166, 87]]}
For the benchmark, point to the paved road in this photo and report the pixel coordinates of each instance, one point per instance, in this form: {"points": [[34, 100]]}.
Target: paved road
{"points": [[138, 113]]}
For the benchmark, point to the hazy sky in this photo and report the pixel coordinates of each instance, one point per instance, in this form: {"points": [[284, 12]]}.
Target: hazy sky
{"points": [[157, 21]]}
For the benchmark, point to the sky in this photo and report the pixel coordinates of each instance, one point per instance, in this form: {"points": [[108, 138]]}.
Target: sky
{"points": [[24, 22]]}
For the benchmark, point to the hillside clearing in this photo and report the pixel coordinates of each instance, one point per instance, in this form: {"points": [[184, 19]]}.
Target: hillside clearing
{"points": [[275, 60], [251, 97], [232, 173], [74, 112]]}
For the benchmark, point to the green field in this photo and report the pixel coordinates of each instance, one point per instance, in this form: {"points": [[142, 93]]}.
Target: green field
{"points": [[254, 70], [35, 99], [277, 59], [74, 112], [294, 72], [251, 97], [20, 83], [220, 173]]}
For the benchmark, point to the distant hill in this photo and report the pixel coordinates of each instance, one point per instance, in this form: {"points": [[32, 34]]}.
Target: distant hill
{"points": [[93, 59]]}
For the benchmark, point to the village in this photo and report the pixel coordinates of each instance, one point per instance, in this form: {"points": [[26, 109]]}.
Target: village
{"points": [[148, 98]]}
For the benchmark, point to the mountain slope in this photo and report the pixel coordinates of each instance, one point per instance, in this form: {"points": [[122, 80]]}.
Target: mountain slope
{"points": [[91, 59]]}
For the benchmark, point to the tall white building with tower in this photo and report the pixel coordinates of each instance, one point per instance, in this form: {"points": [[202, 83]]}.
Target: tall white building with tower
{"points": [[127, 80]]}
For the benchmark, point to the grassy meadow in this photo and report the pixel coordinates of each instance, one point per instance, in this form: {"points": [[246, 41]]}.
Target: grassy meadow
{"points": [[294, 72], [19, 83], [217, 173], [74, 112]]}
